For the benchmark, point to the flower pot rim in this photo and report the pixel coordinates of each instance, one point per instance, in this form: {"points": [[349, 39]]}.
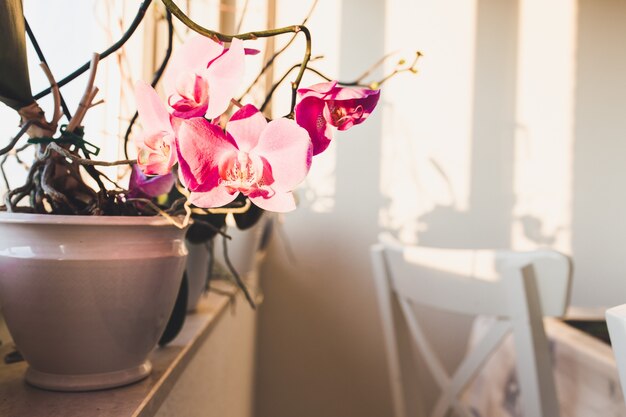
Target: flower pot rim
{"points": [[60, 219]]}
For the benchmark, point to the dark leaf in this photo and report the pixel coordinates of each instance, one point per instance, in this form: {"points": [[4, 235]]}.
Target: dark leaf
{"points": [[249, 218], [205, 227], [15, 89], [177, 318]]}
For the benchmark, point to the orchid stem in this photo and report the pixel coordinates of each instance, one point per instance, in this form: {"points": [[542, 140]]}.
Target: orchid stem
{"points": [[276, 54], [270, 93], [156, 78]]}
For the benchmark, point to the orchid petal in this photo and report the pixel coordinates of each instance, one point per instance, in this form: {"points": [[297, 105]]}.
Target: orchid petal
{"points": [[216, 197], [287, 149], [310, 115], [245, 126], [152, 112], [224, 76], [141, 185], [156, 153], [191, 57], [343, 114], [201, 146], [279, 202], [153, 166], [319, 90], [353, 93], [192, 96]]}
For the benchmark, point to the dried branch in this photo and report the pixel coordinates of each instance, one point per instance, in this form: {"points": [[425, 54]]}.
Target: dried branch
{"points": [[82, 161], [157, 209], [88, 95], [270, 62], [157, 75], [17, 137], [56, 115], [398, 70]]}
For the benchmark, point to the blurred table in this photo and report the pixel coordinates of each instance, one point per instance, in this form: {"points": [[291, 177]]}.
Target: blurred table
{"points": [[585, 373]]}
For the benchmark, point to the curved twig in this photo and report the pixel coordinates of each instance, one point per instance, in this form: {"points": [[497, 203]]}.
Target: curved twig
{"points": [[88, 95], [283, 49], [117, 45], [17, 137], [272, 90], [82, 161], [157, 209], [13, 197], [54, 197], [157, 75], [42, 58], [56, 94], [236, 276]]}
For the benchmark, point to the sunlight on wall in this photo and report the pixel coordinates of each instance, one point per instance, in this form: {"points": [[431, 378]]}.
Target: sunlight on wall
{"points": [[478, 264], [428, 118], [545, 123]]}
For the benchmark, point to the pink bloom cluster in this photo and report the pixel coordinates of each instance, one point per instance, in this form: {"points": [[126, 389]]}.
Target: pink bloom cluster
{"points": [[264, 160]]}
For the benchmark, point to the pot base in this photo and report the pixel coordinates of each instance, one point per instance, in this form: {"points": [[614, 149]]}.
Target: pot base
{"points": [[87, 382]]}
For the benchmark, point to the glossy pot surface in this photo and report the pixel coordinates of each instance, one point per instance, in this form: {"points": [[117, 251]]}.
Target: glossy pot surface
{"points": [[86, 298]]}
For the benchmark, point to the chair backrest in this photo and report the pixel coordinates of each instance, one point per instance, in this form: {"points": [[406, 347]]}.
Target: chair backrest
{"points": [[516, 287], [616, 323]]}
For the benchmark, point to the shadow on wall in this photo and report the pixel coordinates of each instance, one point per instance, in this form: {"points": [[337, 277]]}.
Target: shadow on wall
{"points": [[596, 176], [320, 342], [598, 147], [487, 221]]}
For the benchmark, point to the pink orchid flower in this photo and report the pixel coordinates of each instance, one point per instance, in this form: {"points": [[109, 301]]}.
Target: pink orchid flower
{"points": [[264, 161], [157, 144], [143, 186], [202, 77], [324, 105]]}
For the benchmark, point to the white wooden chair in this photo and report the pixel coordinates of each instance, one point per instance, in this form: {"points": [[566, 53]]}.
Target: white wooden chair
{"points": [[518, 289], [616, 323]]}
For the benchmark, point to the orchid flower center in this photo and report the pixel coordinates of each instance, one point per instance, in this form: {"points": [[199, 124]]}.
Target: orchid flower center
{"points": [[191, 91], [340, 115], [157, 148], [242, 172]]}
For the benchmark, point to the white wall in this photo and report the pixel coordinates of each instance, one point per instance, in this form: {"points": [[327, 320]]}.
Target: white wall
{"points": [[513, 135]]}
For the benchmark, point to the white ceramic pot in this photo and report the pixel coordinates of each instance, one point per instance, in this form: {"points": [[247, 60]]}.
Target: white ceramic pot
{"points": [[86, 298]]}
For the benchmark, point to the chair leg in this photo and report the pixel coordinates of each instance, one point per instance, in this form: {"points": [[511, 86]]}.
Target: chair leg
{"points": [[532, 350], [385, 299]]}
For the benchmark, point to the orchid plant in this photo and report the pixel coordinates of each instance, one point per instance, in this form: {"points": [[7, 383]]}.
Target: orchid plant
{"points": [[210, 152], [249, 155]]}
